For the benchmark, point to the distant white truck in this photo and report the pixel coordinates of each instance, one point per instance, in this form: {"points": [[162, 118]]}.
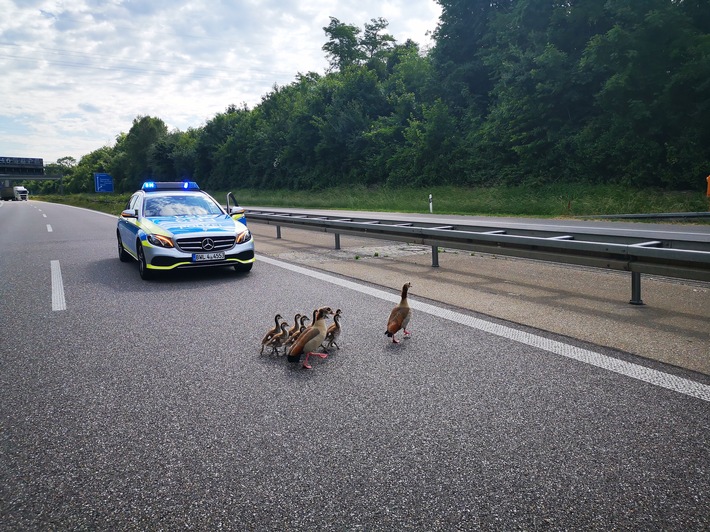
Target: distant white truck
{"points": [[21, 194]]}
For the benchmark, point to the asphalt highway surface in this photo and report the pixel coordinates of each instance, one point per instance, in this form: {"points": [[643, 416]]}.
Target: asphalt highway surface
{"points": [[132, 405]]}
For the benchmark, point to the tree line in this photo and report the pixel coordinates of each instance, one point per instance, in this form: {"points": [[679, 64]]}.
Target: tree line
{"points": [[512, 92]]}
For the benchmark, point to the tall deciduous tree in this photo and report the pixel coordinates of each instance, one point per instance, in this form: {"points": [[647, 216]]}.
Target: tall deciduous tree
{"points": [[343, 46], [144, 133], [375, 44], [652, 99], [461, 36]]}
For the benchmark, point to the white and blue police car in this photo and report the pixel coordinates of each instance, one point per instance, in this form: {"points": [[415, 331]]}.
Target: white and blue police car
{"points": [[170, 225]]}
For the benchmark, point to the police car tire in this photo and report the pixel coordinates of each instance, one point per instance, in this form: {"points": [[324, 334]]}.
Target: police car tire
{"points": [[122, 255], [243, 268], [145, 273]]}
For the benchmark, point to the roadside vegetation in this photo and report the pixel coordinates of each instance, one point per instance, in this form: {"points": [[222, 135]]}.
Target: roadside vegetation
{"points": [[525, 107], [543, 201]]}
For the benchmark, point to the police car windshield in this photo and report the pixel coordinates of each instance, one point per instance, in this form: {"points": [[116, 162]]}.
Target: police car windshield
{"points": [[190, 205]]}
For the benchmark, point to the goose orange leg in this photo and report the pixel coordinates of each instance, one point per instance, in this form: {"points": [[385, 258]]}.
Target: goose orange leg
{"points": [[306, 365]]}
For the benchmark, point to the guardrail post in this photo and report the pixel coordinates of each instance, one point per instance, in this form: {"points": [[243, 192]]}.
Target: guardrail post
{"points": [[636, 289], [278, 231], [337, 241], [434, 256]]}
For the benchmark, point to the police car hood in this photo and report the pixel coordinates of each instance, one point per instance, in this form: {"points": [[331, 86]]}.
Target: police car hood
{"points": [[182, 225]]}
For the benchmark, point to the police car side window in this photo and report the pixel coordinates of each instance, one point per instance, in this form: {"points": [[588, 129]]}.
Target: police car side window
{"points": [[133, 202]]}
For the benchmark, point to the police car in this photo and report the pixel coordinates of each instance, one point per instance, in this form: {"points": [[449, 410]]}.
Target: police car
{"points": [[169, 225]]}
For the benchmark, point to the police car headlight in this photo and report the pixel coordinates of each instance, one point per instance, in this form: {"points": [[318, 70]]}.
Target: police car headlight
{"points": [[161, 241], [244, 236]]}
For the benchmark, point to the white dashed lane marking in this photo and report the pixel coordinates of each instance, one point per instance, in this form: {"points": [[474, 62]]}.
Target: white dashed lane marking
{"points": [[58, 301]]}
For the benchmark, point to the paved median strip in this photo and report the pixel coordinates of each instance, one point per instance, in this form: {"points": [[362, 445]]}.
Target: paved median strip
{"points": [[635, 371], [58, 301]]}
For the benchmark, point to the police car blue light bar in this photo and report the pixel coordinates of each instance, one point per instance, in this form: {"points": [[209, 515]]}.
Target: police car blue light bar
{"points": [[170, 185]]}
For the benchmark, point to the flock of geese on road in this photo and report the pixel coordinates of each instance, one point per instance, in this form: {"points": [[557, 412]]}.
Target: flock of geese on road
{"points": [[299, 339]]}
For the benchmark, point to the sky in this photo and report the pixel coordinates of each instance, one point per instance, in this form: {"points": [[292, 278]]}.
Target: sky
{"points": [[76, 73]]}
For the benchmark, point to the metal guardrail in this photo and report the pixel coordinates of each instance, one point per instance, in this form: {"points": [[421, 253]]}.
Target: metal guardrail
{"points": [[632, 251]]}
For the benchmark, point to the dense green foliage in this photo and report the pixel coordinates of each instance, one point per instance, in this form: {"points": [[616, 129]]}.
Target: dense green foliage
{"points": [[514, 92]]}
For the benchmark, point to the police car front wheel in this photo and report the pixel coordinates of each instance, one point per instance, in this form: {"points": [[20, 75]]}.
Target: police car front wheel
{"points": [[145, 273], [122, 255], [243, 268]]}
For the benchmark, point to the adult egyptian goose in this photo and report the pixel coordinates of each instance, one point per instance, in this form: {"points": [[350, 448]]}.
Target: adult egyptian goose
{"points": [[271, 332], [333, 332], [278, 340], [311, 338], [400, 316]]}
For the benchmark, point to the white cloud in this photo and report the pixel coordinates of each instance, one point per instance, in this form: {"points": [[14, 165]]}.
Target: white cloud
{"points": [[77, 72]]}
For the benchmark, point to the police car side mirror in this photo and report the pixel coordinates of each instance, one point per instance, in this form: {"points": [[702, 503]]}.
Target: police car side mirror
{"points": [[231, 202], [129, 213]]}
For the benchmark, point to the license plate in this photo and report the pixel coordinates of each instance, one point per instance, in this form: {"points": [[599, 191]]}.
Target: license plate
{"points": [[199, 257]]}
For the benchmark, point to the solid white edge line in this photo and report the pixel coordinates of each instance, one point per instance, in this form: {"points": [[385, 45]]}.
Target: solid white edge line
{"points": [[635, 371], [58, 301]]}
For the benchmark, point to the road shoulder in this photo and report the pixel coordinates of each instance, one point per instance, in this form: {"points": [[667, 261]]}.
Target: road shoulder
{"points": [[588, 304]]}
